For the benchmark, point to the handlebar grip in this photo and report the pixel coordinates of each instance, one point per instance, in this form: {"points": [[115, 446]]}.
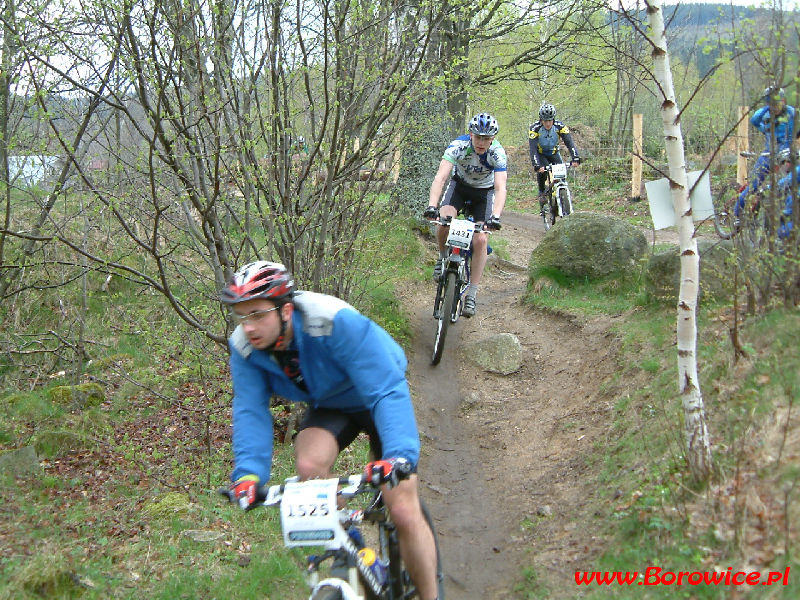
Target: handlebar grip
{"points": [[261, 495]]}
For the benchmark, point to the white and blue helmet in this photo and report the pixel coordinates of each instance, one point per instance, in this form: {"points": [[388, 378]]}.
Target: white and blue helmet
{"points": [[483, 124]]}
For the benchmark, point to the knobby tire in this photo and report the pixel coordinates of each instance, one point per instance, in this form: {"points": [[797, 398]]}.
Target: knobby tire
{"points": [[723, 212], [548, 214], [327, 593], [445, 312], [401, 585], [564, 200]]}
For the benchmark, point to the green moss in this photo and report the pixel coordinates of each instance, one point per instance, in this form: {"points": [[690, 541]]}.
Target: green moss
{"points": [[83, 395], [170, 505]]}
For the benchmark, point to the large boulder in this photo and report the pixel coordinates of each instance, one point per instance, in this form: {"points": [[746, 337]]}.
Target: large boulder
{"points": [[589, 245], [662, 277]]}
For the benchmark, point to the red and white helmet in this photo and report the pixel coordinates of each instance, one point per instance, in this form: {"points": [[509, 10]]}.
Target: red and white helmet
{"points": [[260, 279]]}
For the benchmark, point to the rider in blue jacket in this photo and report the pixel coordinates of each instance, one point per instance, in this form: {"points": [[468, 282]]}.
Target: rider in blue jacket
{"points": [[785, 184], [319, 350], [776, 121]]}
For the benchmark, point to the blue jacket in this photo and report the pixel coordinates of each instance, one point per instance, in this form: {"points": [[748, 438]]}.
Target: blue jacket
{"points": [[785, 184], [784, 127], [348, 362]]}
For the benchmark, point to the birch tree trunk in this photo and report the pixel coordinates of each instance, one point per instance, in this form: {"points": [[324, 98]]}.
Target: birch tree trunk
{"points": [[698, 447]]}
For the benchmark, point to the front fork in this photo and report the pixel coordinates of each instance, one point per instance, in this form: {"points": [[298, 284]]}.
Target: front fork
{"points": [[555, 197], [461, 269]]}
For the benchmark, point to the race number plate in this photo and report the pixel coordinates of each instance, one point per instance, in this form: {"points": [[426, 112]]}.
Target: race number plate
{"points": [[308, 513], [461, 232], [559, 170]]}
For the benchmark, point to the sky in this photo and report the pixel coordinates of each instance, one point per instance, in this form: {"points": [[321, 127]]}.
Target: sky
{"points": [[786, 4]]}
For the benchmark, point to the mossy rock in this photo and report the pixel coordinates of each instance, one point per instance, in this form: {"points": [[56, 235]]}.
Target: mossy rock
{"points": [[12, 400], [169, 505], [47, 573], [588, 245], [19, 461], [83, 395], [52, 443], [662, 276], [111, 362]]}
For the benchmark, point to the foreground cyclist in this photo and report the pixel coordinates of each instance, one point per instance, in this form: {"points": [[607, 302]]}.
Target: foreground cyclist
{"points": [[317, 349], [477, 188]]}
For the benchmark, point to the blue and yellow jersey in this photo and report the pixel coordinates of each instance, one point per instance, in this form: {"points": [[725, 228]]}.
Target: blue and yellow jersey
{"points": [[544, 142]]}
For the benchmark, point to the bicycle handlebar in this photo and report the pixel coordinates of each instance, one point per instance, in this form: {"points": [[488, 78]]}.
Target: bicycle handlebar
{"points": [[446, 223], [268, 495], [356, 484]]}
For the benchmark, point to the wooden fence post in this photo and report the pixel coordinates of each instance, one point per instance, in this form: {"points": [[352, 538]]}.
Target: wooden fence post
{"points": [[636, 176], [742, 143]]}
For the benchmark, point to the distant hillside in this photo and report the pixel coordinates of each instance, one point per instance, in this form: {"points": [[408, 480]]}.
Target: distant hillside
{"points": [[688, 24]]}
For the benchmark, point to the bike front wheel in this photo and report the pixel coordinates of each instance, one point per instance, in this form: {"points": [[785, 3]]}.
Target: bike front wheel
{"points": [[445, 312], [328, 593], [549, 213], [565, 201]]}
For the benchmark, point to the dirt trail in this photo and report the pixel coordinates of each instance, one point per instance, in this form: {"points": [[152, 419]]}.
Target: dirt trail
{"points": [[505, 457]]}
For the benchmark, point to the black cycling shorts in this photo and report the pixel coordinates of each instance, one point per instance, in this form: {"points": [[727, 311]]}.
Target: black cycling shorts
{"points": [[475, 202], [345, 427]]}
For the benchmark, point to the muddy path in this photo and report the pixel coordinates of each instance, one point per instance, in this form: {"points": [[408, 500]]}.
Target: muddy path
{"points": [[504, 459]]}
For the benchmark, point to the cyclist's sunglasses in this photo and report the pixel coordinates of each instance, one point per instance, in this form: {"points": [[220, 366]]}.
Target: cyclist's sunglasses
{"points": [[253, 317]]}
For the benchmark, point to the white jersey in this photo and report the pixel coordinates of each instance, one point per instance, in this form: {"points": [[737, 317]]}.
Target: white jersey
{"points": [[475, 170]]}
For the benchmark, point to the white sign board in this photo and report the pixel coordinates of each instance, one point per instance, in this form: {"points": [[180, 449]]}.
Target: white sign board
{"points": [[660, 200]]}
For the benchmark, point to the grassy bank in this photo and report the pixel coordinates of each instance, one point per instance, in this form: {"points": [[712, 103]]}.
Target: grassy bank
{"points": [[646, 506]]}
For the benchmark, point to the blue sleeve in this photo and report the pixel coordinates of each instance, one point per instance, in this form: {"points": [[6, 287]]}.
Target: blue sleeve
{"points": [[376, 365], [757, 119], [252, 420]]}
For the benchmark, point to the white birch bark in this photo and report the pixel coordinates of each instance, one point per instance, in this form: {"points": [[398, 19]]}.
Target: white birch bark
{"points": [[698, 447]]}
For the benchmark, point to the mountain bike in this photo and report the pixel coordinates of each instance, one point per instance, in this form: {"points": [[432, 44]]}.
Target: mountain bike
{"points": [[751, 220], [454, 282], [559, 198], [314, 513]]}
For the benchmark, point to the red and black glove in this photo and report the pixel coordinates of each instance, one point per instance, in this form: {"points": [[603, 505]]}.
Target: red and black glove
{"points": [[245, 491], [390, 471]]}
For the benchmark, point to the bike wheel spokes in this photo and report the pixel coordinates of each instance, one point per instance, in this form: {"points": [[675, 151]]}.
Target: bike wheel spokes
{"points": [[723, 212]]}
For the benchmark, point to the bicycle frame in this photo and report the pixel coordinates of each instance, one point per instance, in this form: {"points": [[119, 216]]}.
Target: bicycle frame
{"points": [[309, 517], [459, 261], [558, 182], [726, 223], [559, 197], [454, 282]]}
